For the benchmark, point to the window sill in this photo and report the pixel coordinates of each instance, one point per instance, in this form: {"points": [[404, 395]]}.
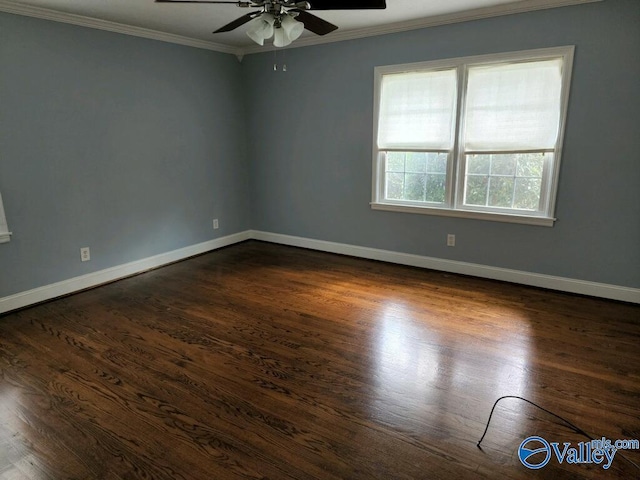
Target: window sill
{"points": [[446, 212]]}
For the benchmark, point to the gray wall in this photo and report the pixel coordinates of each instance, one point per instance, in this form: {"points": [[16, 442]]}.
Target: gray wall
{"points": [[132, 147], [311, 149], [126, 145]]}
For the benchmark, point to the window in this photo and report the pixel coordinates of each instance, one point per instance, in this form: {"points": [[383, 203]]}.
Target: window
{"points": [[5, 234], [475, 137]]}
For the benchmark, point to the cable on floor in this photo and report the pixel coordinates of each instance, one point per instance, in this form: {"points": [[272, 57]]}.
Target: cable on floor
{"points": [[567, 422]]}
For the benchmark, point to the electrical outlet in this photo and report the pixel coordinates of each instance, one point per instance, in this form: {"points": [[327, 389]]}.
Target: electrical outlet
{"points": [[215, 224], [85, 254], [451, 240]]}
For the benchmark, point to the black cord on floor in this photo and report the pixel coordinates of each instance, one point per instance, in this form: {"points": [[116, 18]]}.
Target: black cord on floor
{"points": [[575, 428]]}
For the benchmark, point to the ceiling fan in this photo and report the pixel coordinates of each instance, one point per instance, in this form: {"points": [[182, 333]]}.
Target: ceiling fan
{"points": [[286, 19]]}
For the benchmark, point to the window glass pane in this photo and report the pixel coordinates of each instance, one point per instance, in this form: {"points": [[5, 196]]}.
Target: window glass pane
{"points": [[416, 162], [416, 176], [501, 192], [395, 162], [514, 106], [417, 110], [395, 186], [414, 186], [435, 191], [531, 165], [478, 164], [527, 193], [437, 162], [476, 190], [514, 180], [503, 165]]}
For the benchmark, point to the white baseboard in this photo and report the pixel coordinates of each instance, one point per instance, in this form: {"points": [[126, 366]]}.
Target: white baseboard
{"points": [[65, 287], [570, 285]]}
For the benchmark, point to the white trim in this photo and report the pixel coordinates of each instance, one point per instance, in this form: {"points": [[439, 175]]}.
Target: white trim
{"points": [[76, 284], [459, 213], [416, 24], [72, 285], [454, 205], [570, 285], [5, 234], [426, 22], [63, 17]]}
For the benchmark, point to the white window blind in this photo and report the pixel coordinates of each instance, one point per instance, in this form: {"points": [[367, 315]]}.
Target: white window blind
{"points": [[5, 235], [513, 107], [417, 110]]}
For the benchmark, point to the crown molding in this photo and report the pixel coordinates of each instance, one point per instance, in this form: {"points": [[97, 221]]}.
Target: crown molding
{"points": [[63, 17], [465, 16], [458, 17]]}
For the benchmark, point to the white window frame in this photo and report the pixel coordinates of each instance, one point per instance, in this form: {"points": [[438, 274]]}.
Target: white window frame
{"points": [[5, 234], [453, 205]]}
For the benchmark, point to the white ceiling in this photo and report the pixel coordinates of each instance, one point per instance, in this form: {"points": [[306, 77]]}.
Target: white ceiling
{"points": [[197, 22]]}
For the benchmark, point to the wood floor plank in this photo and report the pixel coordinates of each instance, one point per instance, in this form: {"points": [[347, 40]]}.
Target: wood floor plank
{"points": [[268, 362]]}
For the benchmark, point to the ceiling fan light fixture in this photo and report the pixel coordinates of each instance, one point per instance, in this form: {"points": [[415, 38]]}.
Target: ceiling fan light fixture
{"points": [[290, 29], [261, 28]]}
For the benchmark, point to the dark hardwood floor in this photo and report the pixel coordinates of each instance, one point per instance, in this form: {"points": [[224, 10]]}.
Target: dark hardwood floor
{"points": [[261, 361]]}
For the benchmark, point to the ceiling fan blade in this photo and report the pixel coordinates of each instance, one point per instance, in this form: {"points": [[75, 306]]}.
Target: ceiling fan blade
{"points": [[347, 4], [238, 3], [202, 1], [237, 22], [314, 24]]}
